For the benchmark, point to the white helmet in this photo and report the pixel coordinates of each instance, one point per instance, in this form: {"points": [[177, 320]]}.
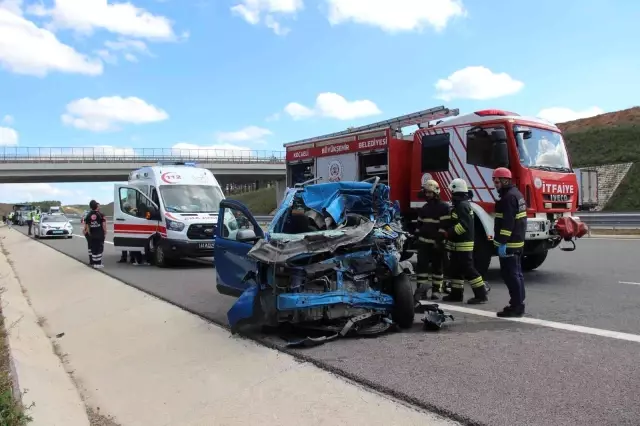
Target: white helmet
{"points": [[458, 185], [432, 186]]}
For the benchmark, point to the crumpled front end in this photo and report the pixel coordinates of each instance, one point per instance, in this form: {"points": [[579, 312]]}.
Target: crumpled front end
{"points": [[340, 277]]}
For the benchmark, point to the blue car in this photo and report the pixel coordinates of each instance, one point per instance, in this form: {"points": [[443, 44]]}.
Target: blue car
{"points": [[330, 258]]}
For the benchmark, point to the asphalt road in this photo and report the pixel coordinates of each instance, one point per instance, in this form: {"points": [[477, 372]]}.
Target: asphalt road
{"points": [[479, 370]]}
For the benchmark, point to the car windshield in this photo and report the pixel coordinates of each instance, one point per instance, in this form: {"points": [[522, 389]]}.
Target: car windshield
{"points": [[56, 218], [191, 198], [541, 149]]}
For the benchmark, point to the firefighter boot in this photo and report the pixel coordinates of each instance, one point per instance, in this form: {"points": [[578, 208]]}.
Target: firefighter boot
{"points": [[479, 296], [456, 295]]}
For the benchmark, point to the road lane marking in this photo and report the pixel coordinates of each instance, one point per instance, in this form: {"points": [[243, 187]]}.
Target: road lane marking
{"points": [[82, 236], [551, 324], [628, 282]]}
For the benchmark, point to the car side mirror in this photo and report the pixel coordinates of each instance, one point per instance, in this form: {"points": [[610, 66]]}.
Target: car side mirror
{"points": [[246, 235]]}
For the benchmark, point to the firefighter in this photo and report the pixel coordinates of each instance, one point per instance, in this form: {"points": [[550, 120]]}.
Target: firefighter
{"points": [[509, 232], [460, 236], [430, 241]]}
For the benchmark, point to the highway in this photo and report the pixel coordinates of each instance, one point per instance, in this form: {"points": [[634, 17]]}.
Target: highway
{"points": [[479, 370]]}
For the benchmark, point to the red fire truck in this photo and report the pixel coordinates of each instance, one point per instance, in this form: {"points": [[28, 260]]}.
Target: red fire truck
{"points": [[446, 146]]}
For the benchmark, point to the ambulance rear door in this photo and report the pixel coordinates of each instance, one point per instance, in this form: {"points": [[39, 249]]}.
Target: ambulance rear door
{"points": [[135, 218]]}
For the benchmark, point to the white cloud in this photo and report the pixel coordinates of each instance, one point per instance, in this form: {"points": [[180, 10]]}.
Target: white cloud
{"points": [[333, 105], [8, 136], [27, 49], [396, 15], [131, 57], [478, 83], [106, 113], [8, 119], [85, 16], [248, 134], [107, 56], [562, 115], [252, 11], [13, 6]]}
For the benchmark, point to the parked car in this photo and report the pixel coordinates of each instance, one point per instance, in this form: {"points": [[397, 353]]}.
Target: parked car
{"points": [[331, 258], [55, 225]]}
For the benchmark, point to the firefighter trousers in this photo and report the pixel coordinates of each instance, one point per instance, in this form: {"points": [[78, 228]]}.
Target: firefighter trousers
{"points": [[462, 269], [511, 271], [429, 268]]}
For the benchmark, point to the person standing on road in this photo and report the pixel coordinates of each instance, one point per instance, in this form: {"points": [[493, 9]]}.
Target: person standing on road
{"points": [[430, 243], [95, 228], [461, 234], [509, 231], [30, 221]]}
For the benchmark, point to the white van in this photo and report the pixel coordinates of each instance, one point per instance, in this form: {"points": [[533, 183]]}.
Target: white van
{"points": [[55, 210], [170, 210]]}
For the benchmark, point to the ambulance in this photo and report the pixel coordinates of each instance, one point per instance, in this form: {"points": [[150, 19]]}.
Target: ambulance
{"points": [[169, 210]]}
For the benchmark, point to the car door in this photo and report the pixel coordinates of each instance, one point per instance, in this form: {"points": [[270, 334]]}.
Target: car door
{"points": [[232, 243], [135, 218]]}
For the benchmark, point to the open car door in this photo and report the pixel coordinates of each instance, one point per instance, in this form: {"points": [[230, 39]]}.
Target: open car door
{"points": [[135, 219], [236, 233]]}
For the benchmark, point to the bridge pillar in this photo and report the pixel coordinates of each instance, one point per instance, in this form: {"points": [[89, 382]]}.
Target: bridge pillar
{"points": [[280, 188]]}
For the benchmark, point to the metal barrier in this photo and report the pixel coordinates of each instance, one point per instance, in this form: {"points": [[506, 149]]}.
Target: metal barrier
{"points": [[611, 220], [136, 155]]}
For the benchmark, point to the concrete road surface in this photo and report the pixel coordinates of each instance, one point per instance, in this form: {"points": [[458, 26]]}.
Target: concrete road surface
{"points": [[480, 369]]}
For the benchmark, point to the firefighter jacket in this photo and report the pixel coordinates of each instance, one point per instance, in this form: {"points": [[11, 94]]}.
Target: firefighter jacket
{"points": [[460, 232], [510, 223], [430, 218]]}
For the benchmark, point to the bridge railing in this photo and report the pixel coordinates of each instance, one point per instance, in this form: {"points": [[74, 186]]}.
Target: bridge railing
{"points": [[136, 155]]}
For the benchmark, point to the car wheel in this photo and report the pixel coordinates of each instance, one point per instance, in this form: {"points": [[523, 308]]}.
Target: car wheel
{"points": [[403, 304], [160, 257]]}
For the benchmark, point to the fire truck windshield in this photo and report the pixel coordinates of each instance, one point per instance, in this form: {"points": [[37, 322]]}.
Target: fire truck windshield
{"points": [[541, 149]]}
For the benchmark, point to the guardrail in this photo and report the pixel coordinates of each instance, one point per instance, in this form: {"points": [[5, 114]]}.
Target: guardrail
{"points": [[611, 220], [136, 155]]}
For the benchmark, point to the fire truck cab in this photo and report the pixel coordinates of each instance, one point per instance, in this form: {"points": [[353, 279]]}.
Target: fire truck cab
{"points": [[467, 146]]}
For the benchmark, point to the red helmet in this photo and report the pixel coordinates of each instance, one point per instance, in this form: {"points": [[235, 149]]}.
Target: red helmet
{"points": [[502, 173]]}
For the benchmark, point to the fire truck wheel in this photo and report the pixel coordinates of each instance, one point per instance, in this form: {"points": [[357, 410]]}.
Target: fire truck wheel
{"points": [[403, 303], [483, 250], [533, 261]]}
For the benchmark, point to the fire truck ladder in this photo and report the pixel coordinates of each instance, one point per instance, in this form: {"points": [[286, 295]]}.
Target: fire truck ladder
{"points": [[396, 124]]}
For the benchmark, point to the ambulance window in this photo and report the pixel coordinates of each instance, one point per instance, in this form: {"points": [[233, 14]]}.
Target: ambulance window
{"points": [[133, 203], [154, 196], [480, 147], [435, 152]]}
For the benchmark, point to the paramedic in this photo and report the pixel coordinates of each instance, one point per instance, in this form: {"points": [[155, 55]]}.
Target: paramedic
{"points": [[509, 233], [95, 228], [430, 242], [460, 236]]}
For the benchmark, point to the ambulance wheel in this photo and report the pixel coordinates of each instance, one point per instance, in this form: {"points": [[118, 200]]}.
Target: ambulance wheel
{"points": [[160, 257], [483, 250], [403, 304], [533, 261]]}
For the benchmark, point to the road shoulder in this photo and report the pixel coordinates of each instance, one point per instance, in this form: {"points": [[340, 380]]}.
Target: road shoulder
{"points": [[45, 387], [144, 361]]}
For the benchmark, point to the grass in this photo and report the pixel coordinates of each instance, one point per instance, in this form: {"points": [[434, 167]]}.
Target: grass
{"points": [[260, 202], [12, 413]]}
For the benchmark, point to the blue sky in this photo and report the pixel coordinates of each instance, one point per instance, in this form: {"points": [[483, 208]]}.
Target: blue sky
{"points": [[253, 74]]}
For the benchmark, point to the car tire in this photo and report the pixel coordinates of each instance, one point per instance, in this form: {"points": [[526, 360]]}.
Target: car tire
{"points": [[403, 312], [160, 257]]}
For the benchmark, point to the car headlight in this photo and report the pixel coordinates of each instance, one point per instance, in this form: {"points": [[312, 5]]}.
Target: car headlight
{"points": [[535, 226], [174, 226]]}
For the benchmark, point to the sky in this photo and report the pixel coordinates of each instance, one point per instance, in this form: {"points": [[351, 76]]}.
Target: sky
{"points": [[254, 74]]}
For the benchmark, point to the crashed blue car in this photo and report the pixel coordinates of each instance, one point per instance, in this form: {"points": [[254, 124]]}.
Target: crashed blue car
{"points": [[330, 259]]}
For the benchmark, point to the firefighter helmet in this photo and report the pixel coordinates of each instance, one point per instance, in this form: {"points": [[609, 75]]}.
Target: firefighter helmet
{"points": [[502, 173], [458, 185], [432, 186]]}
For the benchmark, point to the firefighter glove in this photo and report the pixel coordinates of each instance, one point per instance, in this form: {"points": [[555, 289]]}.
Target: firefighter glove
{"points": [[502, 250]]}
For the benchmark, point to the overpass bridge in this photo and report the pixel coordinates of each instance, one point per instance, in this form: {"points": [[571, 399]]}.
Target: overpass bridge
{"points": [[106, 164]]}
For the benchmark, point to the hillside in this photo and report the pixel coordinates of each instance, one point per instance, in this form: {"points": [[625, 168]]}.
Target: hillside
{"points": [[609, 138], [260, 202]]}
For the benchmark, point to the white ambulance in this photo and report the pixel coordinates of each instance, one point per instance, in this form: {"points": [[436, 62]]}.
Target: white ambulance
{"points": [[169, 210]]}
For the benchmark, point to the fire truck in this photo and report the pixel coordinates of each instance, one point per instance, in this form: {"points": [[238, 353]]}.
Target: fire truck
{"points": [[446, 145]]}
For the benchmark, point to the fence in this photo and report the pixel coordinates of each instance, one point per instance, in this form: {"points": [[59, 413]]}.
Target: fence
{"points": [[611, 220], [136, 155]]}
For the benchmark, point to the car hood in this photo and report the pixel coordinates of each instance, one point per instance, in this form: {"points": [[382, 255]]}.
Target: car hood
{"points": [[280, 248]]}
